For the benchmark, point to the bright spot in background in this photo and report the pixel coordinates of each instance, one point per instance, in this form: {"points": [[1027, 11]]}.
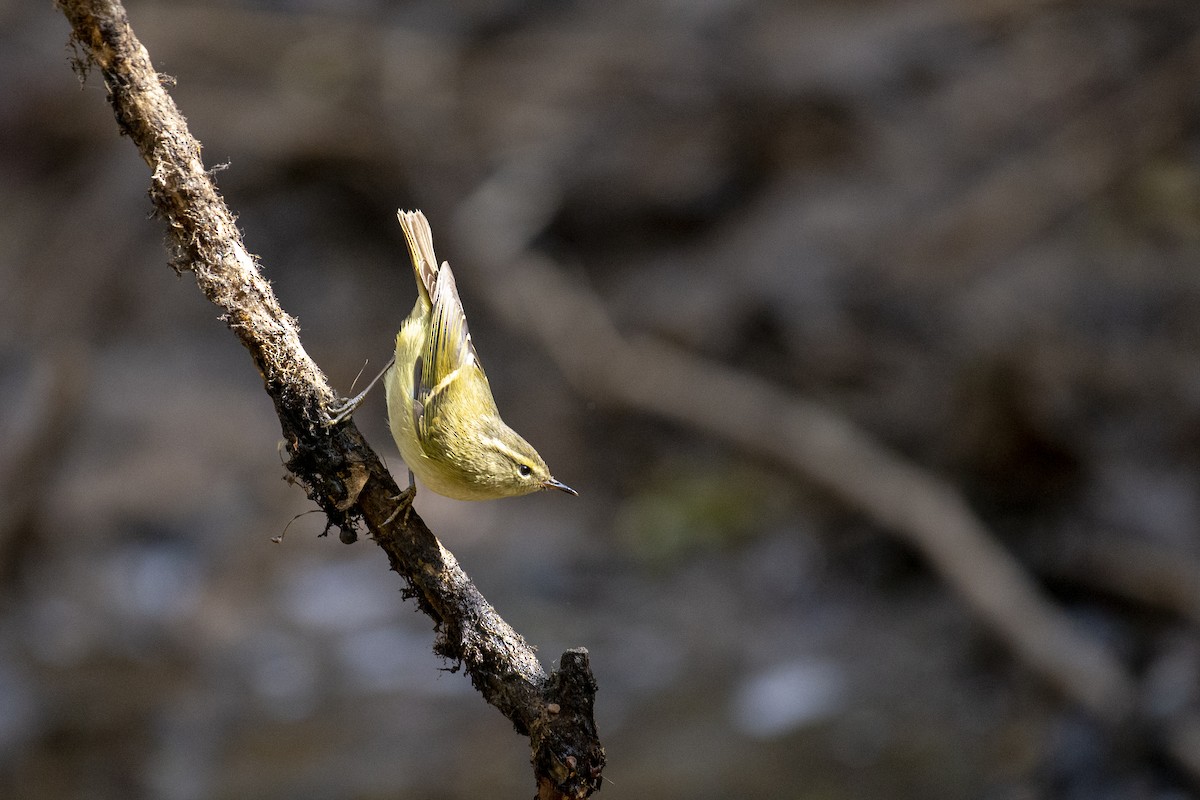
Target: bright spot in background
{"points": [[787, 697]]}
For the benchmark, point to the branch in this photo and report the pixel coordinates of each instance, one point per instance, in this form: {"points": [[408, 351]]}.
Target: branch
{"points": [[336, 467]]}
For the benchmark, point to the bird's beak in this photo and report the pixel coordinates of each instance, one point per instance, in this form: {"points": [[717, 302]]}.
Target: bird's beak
{"points": [[562, 487]]}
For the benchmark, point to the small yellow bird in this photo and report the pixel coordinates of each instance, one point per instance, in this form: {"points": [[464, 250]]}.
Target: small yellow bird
{"points": [[440, 406]]}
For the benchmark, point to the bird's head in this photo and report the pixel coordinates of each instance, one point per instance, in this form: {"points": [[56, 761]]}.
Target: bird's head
{"points": [[514, 467]]}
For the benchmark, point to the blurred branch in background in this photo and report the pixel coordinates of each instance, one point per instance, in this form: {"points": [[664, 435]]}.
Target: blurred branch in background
{"points": [[1021, 194], [1143, 572], [499, 223], [338, 469], [45, 419]]}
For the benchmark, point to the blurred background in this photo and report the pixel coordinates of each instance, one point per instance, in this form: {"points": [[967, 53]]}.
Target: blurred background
{"points": [[969, 227]]}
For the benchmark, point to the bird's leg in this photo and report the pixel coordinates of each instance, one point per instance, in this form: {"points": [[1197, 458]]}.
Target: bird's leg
{"points": [[405, 499], [342, 411]]}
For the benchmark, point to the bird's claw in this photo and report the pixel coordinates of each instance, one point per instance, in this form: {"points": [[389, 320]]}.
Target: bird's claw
{"points": [[405, 500], [343, 409], [339, 412]]}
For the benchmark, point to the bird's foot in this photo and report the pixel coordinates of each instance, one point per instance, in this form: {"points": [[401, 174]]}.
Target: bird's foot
{"points": [[405, 500], [342, 410]]}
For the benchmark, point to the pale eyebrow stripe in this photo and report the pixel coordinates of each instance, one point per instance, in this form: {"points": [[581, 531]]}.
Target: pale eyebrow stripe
{"points": [[502, 447]]}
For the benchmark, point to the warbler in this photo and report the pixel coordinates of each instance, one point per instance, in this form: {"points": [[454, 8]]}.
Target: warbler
{"points": [[440, 406]]}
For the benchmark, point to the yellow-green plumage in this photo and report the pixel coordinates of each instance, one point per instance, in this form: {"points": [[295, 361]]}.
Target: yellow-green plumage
{"points": [[440, 406]]}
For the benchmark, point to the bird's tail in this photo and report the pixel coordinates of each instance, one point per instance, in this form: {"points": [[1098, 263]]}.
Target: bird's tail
{"points": [[420, 250]]}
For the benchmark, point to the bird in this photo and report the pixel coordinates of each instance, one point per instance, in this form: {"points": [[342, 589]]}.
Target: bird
{"points": [[439, 402]]}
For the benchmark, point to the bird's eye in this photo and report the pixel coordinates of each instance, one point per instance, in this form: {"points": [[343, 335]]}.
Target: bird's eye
{"points": [[525, 470]]}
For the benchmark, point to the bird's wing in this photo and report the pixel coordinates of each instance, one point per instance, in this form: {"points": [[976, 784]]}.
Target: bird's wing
{"points": [[448, 371]]}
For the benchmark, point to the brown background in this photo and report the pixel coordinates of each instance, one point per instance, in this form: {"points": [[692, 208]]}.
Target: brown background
{"points": [[970, 227]]}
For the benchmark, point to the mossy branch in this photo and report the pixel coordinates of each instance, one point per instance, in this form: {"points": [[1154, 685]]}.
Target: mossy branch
{"points": [[334, 464]]}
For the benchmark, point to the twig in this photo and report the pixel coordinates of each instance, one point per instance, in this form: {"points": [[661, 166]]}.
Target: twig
{"points": [[338, 470], [1144, 572]]}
